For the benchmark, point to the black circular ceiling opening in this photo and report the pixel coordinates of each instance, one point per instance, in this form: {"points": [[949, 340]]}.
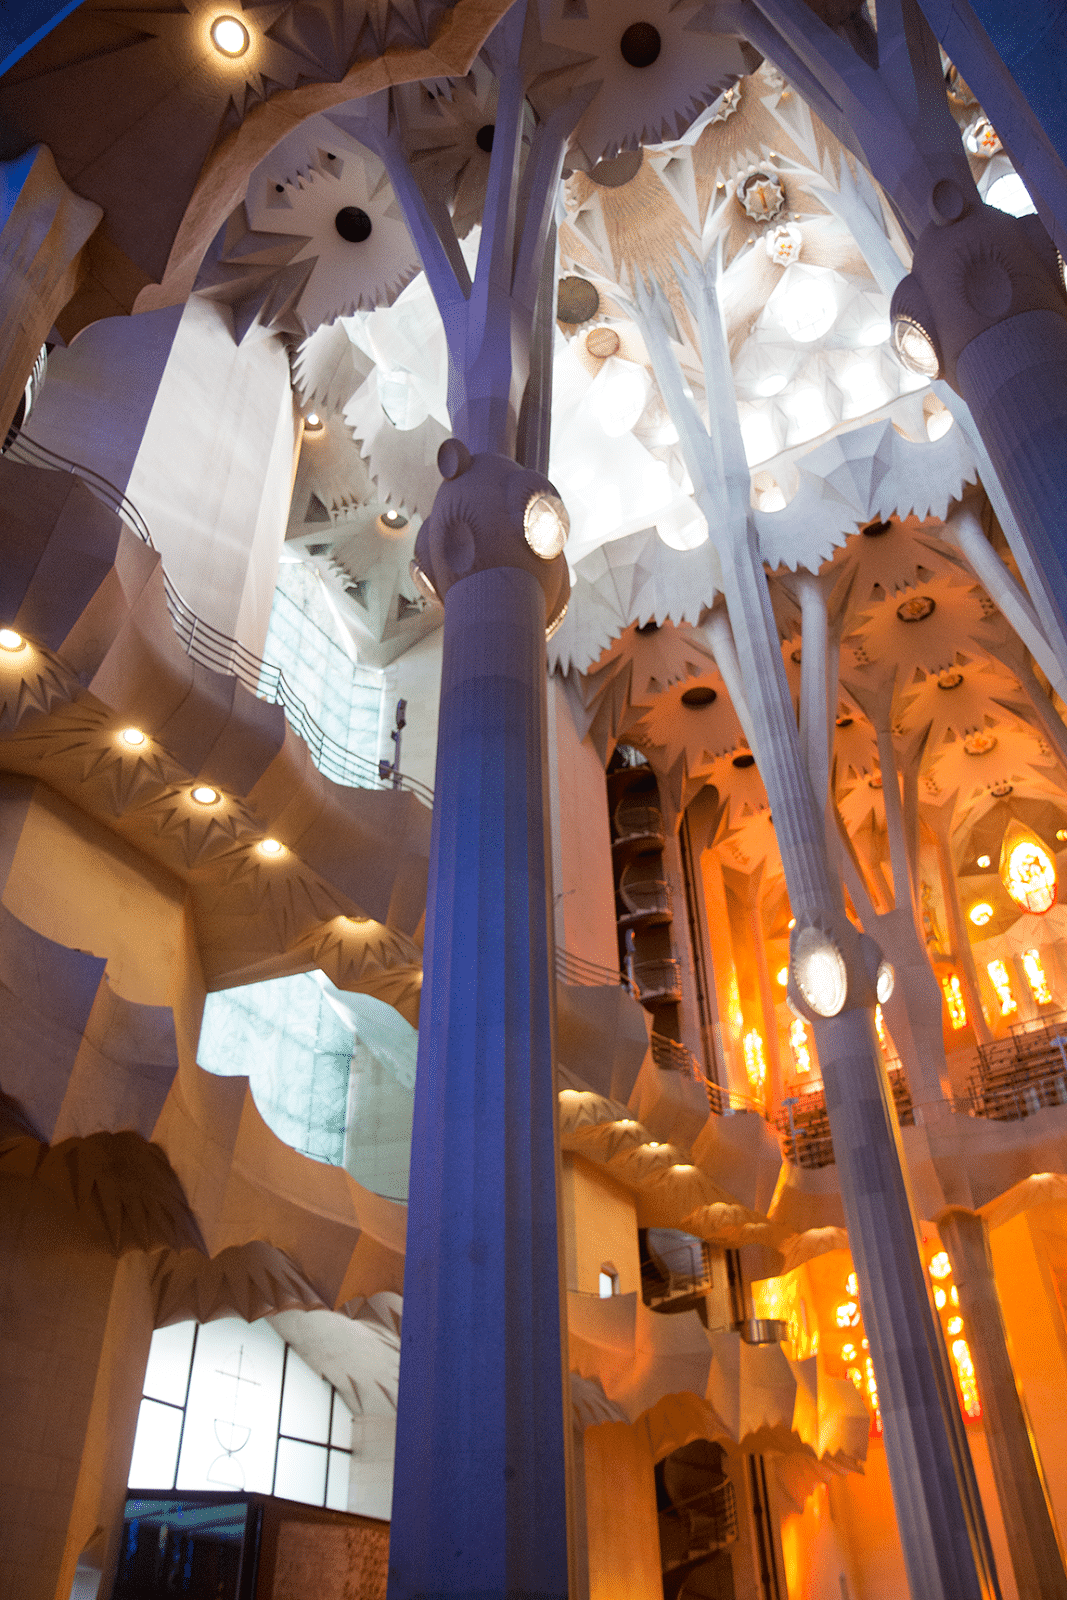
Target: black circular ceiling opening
{"points": [[615, 171], [577, 301], [353, 225], [875, 530], [484, 137], [701, 694], [640, 45], [745, 759]]}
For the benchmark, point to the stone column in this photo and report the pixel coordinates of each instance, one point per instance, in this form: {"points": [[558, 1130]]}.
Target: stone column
{"points": [[43, 226], [1036, 1555], [479, 1497]]}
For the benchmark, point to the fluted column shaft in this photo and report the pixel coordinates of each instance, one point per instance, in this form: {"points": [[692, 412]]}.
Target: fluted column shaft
{"points": [[1036, 1556], [479, 1505]]}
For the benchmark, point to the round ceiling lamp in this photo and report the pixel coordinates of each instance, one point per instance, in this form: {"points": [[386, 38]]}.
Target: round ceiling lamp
{"points": [[819, 971], [11, 641], [133, 738], [915, 347], [270, 847], [981, 913], [576, 300], [230, 37], [885, 982], [1028, 870], [205, 795], [546, 525]]}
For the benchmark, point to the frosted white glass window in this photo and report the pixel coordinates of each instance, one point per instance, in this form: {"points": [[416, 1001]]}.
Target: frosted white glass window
{"points": [[167, 1375], [341, 1424], [337, 1479], [305, 1402], [231, 1419], [609, 1283], [301, 1473], [155, 1446]]}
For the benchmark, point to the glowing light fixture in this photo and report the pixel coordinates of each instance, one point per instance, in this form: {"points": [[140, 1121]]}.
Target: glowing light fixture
{"points": [[422, 582], [953, 993], [983, 861], [885, 982], [998, 977], [10, 640], [961, 1355], [954, 1325], [819, 971], [230, 37], [1035, 977], [133, 738], [618, 396], [852, 1284], [546, 525], [981, 913], [1028, 870], [312, 422], [940, 1299], [783, 976], [204, 794], [940, 1265], [915, 347], [847, 1314], [270, 847]]}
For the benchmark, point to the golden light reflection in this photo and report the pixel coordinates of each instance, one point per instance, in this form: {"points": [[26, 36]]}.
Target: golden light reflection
{"points": [[798, 1044], [1035, 977], [953, 993], [998, 977], [755, 1063]]}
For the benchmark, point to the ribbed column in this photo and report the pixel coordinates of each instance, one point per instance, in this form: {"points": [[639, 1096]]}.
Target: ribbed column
{"points": [[1014, 378], [479, 1500], [935, 1494], [1036, 1557]]}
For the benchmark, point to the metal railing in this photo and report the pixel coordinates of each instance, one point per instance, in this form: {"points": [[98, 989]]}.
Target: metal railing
{"points": [[580, 973], [217, 651], [647, 897], [1019, 1076], [804, 1125]]}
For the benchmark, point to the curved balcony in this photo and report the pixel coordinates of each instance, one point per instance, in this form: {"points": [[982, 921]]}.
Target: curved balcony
{"points": [[647, 901], [634, 823], [658, 982]]}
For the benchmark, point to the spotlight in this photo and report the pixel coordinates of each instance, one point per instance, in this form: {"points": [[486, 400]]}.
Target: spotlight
{"points": [[546, 525], [885, 982], [270, 847], [10, 640], [204, 794], [819, 971], [230, 37], [133, 737]]}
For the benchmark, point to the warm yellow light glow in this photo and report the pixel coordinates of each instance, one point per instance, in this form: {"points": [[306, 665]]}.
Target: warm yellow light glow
{"points": [[205, 795], [872, 1394], [954, 1295], [270, 847], [981, 913], [961, 1355], [783, 976], [954, 1326], [953, 993], [133, 737], [798, 1044], [940, 1265], [983, 861], [10, 640], [1035, 977], [848, 1352], [939, 1299], [755, 1063], [313, 421], [852, 1284], [229, 36], [998, 976], [1028, 870], [848, 1314]]}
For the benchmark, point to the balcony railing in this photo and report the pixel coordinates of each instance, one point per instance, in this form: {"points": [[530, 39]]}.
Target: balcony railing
{"points": [[217, 651], [1019, 1076], [804, 1126], [579, 972], [638, 822], [646, 900], [658, 981]]}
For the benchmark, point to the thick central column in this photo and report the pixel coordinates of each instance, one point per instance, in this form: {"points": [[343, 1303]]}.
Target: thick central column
{"points": [[479, 1502]]}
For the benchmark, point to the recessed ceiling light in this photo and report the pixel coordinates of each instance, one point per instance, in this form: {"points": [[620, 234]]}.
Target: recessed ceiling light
{"points": [[10, 640], [133, 737], [270, 847], [205, 795], [981, 913], [230, 37], [983, 861], [783, 976]]}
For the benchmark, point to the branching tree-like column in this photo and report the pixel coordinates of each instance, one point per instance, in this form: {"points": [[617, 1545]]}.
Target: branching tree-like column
{"points": [[833, 979], [984, 306], [479, 1499]]}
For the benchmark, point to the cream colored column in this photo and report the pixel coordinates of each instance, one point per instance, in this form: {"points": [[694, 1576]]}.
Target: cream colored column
{"points": [[1036, 1556], [43, 226], [620, 1509]]}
